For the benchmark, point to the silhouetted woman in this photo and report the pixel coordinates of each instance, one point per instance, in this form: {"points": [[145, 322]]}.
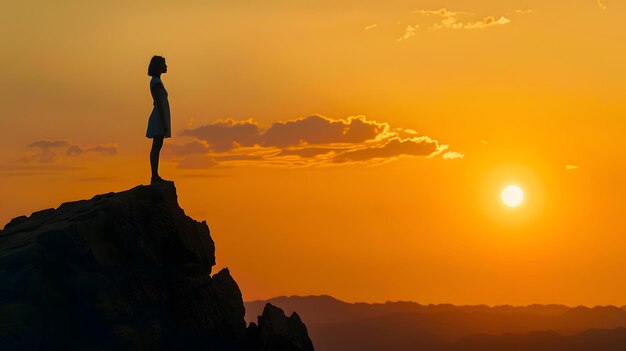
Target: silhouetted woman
{"points": [[159, 124]]}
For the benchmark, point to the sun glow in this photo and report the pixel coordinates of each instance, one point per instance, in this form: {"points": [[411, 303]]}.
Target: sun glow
{"points": [[512, 196]]}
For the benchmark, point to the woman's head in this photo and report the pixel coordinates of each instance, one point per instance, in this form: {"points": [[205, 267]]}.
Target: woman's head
{"points": [[157, 66]]}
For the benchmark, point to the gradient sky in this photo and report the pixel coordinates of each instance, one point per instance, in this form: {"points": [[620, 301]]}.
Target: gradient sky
{"points": [[351, 148]]}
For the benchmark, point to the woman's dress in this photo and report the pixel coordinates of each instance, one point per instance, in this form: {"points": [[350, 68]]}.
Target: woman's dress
{"points": [[155, 124]]}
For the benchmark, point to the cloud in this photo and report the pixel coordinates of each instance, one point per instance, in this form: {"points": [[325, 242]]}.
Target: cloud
{"points": [[47, 144], [309, 141], [222, 136], [190, 148], [488, 21], [409, 31], [75, 150], [307, 152], [44, 151], [443, 12], [49, 151], [225, 135], [419, 146], [571, 167], [317, 129], [452, 155], [371, 26], [450, 20], [523, 12], [239, 157], [602, 5]]}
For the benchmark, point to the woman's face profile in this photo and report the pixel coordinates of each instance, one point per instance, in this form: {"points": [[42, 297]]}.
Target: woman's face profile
{"points": [[164, 67]]}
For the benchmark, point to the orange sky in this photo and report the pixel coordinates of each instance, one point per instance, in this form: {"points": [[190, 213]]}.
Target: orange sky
{"points": [[354, 149]]}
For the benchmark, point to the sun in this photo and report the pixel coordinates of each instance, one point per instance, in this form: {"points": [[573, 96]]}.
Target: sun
{"points": [[512, 196]]}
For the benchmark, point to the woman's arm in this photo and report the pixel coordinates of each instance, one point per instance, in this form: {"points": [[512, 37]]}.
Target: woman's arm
{"points": [[157, 94]]}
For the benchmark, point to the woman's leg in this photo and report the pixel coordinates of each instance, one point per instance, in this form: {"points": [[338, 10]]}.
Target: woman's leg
{"points": [[157, 143]]}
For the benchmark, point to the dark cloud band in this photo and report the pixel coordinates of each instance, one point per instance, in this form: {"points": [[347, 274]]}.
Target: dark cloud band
{"points": [[48, 151], [300, 142]]}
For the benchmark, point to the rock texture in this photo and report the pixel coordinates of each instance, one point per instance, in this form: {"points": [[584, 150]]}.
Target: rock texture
{"points": [[275, 331], [125, 271]]}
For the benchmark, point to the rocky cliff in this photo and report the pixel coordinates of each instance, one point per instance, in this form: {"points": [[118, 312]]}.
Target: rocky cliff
{"points": [[126, 271]]}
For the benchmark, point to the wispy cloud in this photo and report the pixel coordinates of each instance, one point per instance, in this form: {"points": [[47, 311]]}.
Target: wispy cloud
{"points": [[76, 150], [225, 135], [486, 22], [571, 167], [190, 148], [409, 31], [451, 155], [49, 151], [602, 5], [452, 20], [371, 26], [309, 141], [443, 12], [523, 12], [396, 147]]}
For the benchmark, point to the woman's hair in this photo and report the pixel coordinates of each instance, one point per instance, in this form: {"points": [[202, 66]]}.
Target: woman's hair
{"points": [[156, 65]]}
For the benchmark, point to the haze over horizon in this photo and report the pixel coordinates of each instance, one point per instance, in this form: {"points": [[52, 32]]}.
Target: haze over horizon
{"points": [[332, 298], [355, 149]]}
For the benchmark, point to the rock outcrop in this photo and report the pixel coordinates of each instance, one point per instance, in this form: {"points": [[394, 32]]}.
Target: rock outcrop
{"points": [[125, 271], [275, 331]]}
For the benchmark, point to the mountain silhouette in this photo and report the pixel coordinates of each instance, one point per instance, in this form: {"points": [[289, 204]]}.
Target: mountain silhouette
{"points": [[335, 325], [126, 271]]}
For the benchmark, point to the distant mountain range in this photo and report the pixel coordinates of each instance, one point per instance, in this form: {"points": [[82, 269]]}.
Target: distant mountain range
{"points": [[335, 325]]}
